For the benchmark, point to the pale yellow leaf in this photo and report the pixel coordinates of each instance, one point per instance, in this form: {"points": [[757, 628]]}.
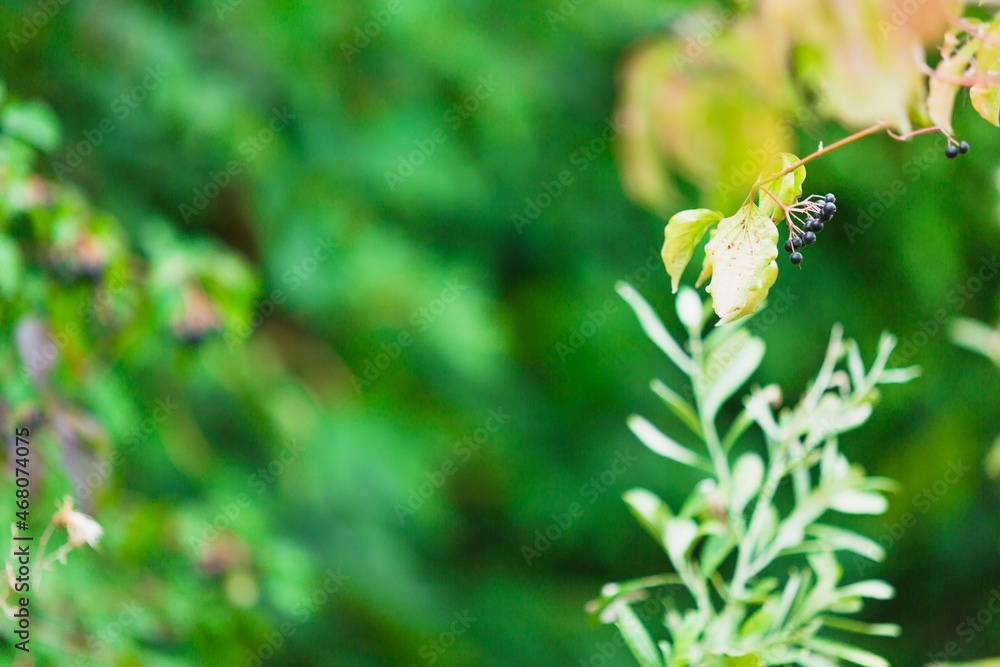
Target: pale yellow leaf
{"points": [[741, 254], [682, 234]]}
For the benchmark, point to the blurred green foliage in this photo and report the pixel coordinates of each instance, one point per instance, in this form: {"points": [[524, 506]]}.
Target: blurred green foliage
{"points": [[265, 433]]}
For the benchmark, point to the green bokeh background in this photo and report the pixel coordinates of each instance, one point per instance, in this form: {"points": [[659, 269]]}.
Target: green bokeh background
{"points": [[520, 295]]}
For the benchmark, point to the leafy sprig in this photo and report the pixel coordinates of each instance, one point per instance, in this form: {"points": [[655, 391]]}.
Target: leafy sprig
{"points": [[762, 572]]}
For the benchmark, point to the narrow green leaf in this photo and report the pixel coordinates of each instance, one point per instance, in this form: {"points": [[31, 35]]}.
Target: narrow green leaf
{"points": [[874, 629], [788, 596], [846, 540], [859, 502], [637, 638], [715, 551], [680, 534], [736, 429], [813, 660], [875, 589], [748, 475], [850, 653], [681, 236], [654, 327], [690, 310], [681, 408], [651, 512], [653, 438], [727, 369]]}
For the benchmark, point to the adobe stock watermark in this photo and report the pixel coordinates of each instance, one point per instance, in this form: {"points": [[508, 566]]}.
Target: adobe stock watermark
{"points": [[230, 512], [957, 297], [902, 12], [914, 168], [968, 630], [121, 108], [587, 328], [249, 149], [922, 501], [421, 319], [99, 642], [700, 32], [454, 117], [100, 472], [304, 609], [432, 650], [591, 492], [34, 23], [562, 12], [461, 452], [369, 32], [593, 320], [294, 277], [579, 161]]}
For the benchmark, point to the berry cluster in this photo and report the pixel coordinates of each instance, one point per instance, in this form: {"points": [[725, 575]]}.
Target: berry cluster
{"points": [[820, 210], [954, 151]]}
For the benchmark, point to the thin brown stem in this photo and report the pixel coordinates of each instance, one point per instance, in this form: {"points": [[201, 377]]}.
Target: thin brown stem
{"points": [[917, 133], [861, 134]]}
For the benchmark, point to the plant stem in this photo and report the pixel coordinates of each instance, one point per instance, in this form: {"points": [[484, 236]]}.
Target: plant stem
{"points": [[709, 431], [861, 134]]}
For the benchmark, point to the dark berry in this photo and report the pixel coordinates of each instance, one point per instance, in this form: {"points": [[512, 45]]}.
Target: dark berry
{"points": [[830, 199], [788, 245], [809, 238], [951, 152], [829, 209], [818, 227], [796, 242], [795, 258], [811, 224], [963, 147]]}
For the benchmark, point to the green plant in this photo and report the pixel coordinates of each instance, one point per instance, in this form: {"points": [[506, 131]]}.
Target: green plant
{"points": [[759, 566]]}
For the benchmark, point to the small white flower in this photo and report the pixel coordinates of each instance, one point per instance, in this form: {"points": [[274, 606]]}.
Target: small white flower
{"points": [[82, 529]]}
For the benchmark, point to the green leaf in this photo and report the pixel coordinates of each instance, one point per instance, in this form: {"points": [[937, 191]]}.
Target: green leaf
{"points": [[637, 638], [850, 625], [736, 429], [690, 310], [741, 253], [846, 540], [787, 189], [33, 123], [651, 512], [681, 236], [681, 408], [654, 328], [875, 589], [727, 368], [717, 548], [850, 653], [680, 534], [653, 438], [813, 660], [859, 502], [748, 475]]}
